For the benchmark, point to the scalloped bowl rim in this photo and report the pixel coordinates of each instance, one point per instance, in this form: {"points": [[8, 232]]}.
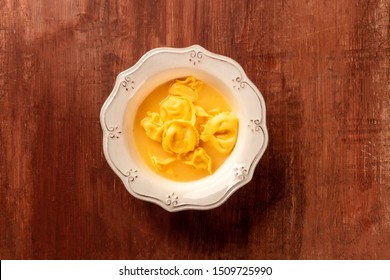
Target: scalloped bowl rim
{"points": [[134, 84]]}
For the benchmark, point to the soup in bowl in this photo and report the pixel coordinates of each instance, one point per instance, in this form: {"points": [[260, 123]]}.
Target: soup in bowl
{"points": [[184, 128]]}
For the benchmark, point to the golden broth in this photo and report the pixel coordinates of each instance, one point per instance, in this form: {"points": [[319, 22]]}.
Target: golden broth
{"points": [[208, 98]]}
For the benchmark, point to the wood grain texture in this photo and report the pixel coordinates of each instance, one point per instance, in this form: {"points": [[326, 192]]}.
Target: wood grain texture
{"points": [[321, 191]]}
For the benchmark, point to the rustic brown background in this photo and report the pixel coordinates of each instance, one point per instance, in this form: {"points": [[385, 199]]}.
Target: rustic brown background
{"points": [[321, 191]]}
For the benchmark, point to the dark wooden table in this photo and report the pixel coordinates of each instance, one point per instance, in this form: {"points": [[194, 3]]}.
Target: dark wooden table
{"points": [[321, 191]]}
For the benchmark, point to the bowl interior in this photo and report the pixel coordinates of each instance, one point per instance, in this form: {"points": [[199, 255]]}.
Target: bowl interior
{"points": [[147, 85]]}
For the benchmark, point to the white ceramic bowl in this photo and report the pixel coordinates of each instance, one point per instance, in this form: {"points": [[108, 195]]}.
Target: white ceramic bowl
{"points": [[133, 85]]}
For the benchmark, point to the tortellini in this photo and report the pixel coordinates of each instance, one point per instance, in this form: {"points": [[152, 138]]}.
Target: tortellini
{"points": [[162, 165], [189, 88], [177, 108], [153, 126], [221, 131], [179, 137], [200, 159], [183, 127]]}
